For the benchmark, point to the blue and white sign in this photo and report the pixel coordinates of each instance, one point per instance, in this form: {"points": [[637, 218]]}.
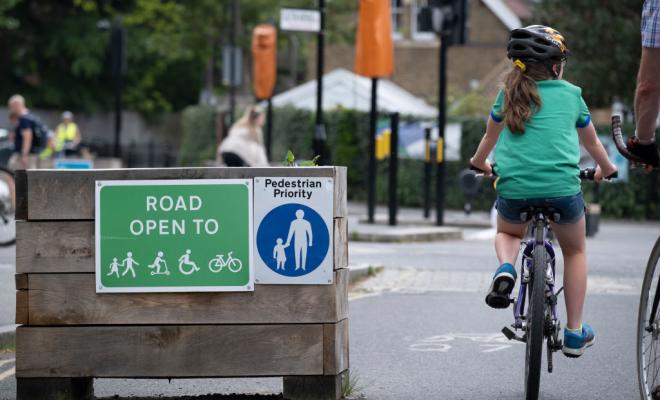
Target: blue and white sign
{"points": [[293, 226]]}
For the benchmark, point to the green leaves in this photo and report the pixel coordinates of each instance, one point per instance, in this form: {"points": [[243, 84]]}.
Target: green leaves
{"points": [[604, 38]]}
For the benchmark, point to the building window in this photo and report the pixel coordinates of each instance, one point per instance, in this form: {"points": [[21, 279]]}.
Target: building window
{"points": [[416, 32], [397, 19]]}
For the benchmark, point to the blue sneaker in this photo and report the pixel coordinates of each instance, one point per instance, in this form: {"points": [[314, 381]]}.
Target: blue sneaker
{"points": [[500, 289], [575, 345]]}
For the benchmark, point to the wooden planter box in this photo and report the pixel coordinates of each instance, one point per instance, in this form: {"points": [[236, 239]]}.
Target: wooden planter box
{"points": [[69, 334]]}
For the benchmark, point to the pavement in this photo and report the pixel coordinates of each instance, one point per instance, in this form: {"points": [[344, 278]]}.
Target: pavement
{"points": [[420, 328], [411, 226]]}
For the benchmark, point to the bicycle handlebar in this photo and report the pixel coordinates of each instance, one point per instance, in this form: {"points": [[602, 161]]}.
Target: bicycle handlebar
{"points": [[586, 174], [620, 144], [480, 171], [589, 173]]}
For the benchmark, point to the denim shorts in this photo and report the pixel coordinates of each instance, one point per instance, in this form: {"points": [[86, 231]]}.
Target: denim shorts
{"points": [[570, 208]]}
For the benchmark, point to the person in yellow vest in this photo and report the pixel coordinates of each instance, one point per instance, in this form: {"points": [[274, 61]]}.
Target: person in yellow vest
{"points": [[67, 136]]}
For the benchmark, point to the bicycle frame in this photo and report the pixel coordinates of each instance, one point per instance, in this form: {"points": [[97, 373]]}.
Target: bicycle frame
{"points": [[527, 263]]}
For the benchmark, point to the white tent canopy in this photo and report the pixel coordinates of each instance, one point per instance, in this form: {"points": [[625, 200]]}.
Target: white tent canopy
{"points": [[342, 88]]}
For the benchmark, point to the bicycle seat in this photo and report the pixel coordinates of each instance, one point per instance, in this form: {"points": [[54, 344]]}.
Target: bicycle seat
{"points": [[548, 212]]}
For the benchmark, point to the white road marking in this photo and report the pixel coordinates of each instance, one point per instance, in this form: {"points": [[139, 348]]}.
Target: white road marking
{"points": [[7, 361], [495, 347], [417, 281], [7, 373]]}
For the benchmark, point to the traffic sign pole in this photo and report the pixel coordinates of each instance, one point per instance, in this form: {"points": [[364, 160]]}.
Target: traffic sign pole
{"points": [[319, 132]]}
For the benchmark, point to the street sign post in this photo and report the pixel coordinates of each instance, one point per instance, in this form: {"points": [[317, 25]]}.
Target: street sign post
{"points": [[300, 20], [174, 236], [293, 226]]}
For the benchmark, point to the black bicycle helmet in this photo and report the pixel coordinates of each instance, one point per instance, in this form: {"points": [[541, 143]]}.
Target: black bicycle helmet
{"points": [[537, 43]]}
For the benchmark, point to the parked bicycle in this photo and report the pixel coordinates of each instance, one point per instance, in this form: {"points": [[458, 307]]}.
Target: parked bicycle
{"points": [[648, 322], [218, 263], [7, 194], [535, 309]]}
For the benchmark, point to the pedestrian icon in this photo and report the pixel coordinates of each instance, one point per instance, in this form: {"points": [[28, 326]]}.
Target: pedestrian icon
{"points": [[301, 230], [114, 267], [307, 240], [128, 264], [279, 254]]}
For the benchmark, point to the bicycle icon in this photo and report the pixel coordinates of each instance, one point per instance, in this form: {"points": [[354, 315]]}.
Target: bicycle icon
{"points": [[218, 263]]}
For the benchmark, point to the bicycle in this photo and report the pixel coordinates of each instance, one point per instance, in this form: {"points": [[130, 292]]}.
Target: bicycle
{"points": [[648, 322], [233, 264], [538, 320], [7, 208], [7, 193]]}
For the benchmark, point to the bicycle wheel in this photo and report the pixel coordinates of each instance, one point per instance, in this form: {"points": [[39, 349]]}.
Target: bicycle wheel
{"points": [[648, 331], [535, 317], [7, 208], [235, 265], [215, 265]]}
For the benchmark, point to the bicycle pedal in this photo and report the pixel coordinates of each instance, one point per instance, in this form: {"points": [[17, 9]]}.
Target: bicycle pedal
{"points": [[511, 335]]}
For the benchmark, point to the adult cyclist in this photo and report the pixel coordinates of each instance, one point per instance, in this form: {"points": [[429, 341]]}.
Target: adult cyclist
{"points": [[647, 95]]}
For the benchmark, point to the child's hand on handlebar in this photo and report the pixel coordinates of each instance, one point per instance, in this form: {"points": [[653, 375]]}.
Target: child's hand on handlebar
{"points": [[486, 167], [609, 172]]}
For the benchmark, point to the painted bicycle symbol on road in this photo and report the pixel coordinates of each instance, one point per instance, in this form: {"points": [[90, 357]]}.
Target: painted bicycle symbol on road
{"points": [[489, 342], [218, 263]]}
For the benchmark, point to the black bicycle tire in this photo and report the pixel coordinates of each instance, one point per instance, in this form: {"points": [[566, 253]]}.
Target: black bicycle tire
{"points": [[12, 241], [535, 323], [644, 298]]}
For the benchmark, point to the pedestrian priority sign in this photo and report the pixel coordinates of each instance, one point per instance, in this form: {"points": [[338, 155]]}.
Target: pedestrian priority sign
{"points": [[174, 236], [293, 230]]}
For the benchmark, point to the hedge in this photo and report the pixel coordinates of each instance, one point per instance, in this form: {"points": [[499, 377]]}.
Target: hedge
{"points": [[347, 144]]}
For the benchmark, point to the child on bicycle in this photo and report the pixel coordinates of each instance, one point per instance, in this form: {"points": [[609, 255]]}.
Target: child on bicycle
{"points": [[538, 121]]}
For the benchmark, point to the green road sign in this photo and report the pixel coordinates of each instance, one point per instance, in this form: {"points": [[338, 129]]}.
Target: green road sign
{"points": [[174, 236]]}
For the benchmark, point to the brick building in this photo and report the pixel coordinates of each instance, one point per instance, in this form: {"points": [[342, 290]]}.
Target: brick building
{"points": [[479, 63]]}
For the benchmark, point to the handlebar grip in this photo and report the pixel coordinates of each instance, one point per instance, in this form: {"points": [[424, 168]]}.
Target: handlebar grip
{"points": [[481, 171], [613, 175], [588, 174]]}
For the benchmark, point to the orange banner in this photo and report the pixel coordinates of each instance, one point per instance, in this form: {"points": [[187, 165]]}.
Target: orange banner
{"points": [[374, 51], [264, 60]]}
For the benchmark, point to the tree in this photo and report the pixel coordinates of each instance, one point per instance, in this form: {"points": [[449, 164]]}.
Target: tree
{"points": [[54, 53], [604, 39]]}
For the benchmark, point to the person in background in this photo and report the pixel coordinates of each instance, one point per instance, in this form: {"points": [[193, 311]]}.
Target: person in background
{"points": [[67, 135], [23, 156], [244, 145]]}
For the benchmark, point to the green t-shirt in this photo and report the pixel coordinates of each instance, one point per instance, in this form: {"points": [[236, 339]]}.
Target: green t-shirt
{"points": [[543, 161]]}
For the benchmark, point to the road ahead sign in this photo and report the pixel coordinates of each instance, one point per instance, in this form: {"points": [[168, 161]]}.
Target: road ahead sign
{"points": [[174, 236], [300, 20], [293, 227]]}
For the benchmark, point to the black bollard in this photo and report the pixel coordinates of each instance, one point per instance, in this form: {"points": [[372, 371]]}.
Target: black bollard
{"points": [[394, 166], [426, 185]]}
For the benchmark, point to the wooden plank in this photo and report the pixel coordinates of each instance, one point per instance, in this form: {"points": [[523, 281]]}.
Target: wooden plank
{"points": [[324, 387], [20, 179], [21, 281], [71, 299], [22, 309], [335, 347], [55, 388], [340, 242], [69, 195], [54, 246], [169, 351], [68, 246], [341, 192]]}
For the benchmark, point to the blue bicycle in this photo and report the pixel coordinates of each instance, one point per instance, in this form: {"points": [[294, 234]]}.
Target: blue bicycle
{"points": [[535, 308]]}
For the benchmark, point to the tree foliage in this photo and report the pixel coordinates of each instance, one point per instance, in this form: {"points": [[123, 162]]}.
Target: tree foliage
{"points": [[55, 54], [604, 38]]}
